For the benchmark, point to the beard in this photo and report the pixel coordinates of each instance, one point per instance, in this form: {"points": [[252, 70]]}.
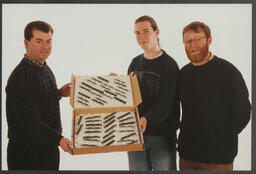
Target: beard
{"points": [[199, 57]]}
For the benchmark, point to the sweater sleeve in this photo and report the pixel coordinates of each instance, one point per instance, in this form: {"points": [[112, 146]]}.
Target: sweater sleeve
{"points": [[130, 69], [239, 102], [25, 104], [168, 102]]}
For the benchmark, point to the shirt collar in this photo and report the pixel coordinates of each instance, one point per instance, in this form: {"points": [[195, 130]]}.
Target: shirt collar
{"points": [[33, 62], [209, 59]]}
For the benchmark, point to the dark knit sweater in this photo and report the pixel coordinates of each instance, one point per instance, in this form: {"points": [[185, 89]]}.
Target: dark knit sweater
{"points": [[215, 109], [158, 85], [32, 105]]}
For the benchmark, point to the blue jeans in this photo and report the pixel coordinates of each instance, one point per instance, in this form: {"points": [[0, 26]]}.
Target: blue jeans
{"points": [[159, 155]]}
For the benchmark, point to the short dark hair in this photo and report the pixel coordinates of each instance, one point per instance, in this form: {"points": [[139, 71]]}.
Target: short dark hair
{"points": [[36, 25], [149, 19], [197, 27]]}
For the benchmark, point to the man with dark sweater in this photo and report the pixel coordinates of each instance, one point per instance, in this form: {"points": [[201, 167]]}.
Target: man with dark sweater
{"points": [[32, 106], [157, 74], [215, 105]]}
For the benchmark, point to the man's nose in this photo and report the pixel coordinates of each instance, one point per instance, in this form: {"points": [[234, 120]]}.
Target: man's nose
{"points": [[193, 43], [45, 45], [141, 36]]}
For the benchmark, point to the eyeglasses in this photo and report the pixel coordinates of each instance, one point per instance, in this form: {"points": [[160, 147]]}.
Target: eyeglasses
{"points": [[196, 39]]}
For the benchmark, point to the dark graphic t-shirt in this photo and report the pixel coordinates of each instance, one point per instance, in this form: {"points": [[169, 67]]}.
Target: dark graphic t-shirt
{"points": [[149, 83], [158, 85]]}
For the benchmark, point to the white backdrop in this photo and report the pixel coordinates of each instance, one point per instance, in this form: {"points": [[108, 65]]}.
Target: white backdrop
{"points": [[96, 39]]}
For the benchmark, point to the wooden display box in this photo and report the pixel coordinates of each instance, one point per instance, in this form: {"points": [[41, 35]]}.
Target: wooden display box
{"points": [[102, 111]]}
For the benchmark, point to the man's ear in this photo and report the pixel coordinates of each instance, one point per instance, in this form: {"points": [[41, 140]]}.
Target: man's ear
{"points": [[157, 32], [209, 40], [26, 43]]}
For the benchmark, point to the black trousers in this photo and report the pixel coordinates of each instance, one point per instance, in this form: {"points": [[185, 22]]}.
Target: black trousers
{"points": [[32, 156]]}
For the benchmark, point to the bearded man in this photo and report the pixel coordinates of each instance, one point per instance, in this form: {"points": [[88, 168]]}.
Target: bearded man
{"points": [[215, 105]]}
